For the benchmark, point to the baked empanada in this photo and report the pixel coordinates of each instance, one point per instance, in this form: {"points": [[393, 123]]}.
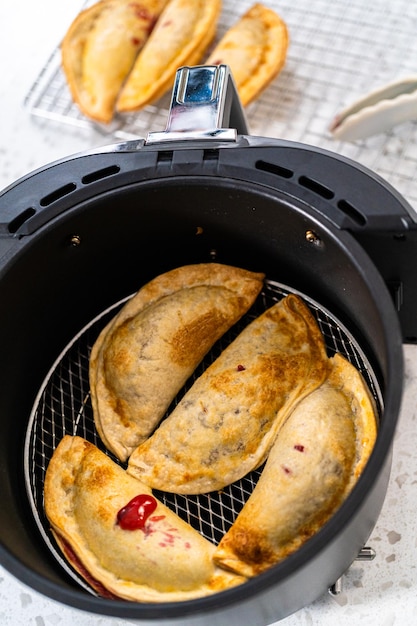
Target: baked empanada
{"points": [[100, 48], [255, 49], [144, 356], [316, 459], [181, 37], [120, 538], [230, 416]]}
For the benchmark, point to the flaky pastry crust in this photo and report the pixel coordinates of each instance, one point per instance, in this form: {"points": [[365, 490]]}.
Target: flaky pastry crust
{"points": [[255, 49], [231, 414], [144, 356], [181, 37], [100, 48], [165, 560], [317, 457]]}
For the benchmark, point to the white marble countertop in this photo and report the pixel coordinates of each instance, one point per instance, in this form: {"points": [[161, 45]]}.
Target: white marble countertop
{"points": [[379, 593]]}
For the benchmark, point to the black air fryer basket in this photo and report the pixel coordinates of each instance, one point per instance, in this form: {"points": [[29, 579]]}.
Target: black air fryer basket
{"points": [[80, 236]]}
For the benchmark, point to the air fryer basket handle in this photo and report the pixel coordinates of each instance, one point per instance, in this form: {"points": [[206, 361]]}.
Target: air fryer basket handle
{"points": [[204, 105]]}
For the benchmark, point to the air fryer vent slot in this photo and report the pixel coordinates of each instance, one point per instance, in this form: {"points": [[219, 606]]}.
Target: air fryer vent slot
{"points": [[273, 168], [100, 174], [354, 214], [317, 187], [18, 221], [58, 194]]}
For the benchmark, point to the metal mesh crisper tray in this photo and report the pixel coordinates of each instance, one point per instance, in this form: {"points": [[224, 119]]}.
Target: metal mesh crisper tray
{"points": [[63, 407], [339, 50]]}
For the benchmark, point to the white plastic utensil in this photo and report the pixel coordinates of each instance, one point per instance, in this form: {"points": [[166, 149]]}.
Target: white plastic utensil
{"points": [[378, 111]]}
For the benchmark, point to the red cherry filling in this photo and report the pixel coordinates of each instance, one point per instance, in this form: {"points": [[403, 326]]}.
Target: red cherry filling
{"points": [[134, 515]]}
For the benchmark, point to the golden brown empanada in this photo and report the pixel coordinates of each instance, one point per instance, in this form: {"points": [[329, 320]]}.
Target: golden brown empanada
{"points": [[255, 49], [99, 50], [316, 459], [230, 416], [147, 352], [181, 37], [122, 540]]}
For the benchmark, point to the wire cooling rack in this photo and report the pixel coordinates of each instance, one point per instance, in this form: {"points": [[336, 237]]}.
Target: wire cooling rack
{"points": [[339, 50]]}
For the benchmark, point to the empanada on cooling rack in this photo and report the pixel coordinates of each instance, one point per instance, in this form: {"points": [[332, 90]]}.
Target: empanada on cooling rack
{"points": [[181, 37], [316, 459], [99, 50], [144, 356], [255, 49], [225, 424], [120, 538]]}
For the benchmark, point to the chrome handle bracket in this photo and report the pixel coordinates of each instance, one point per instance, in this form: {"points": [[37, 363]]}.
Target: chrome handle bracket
{"points": [[205, 105]]}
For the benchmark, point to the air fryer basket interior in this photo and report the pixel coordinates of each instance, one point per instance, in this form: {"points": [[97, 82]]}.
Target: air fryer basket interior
{"points": [[102, 249], [64, 407]]}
